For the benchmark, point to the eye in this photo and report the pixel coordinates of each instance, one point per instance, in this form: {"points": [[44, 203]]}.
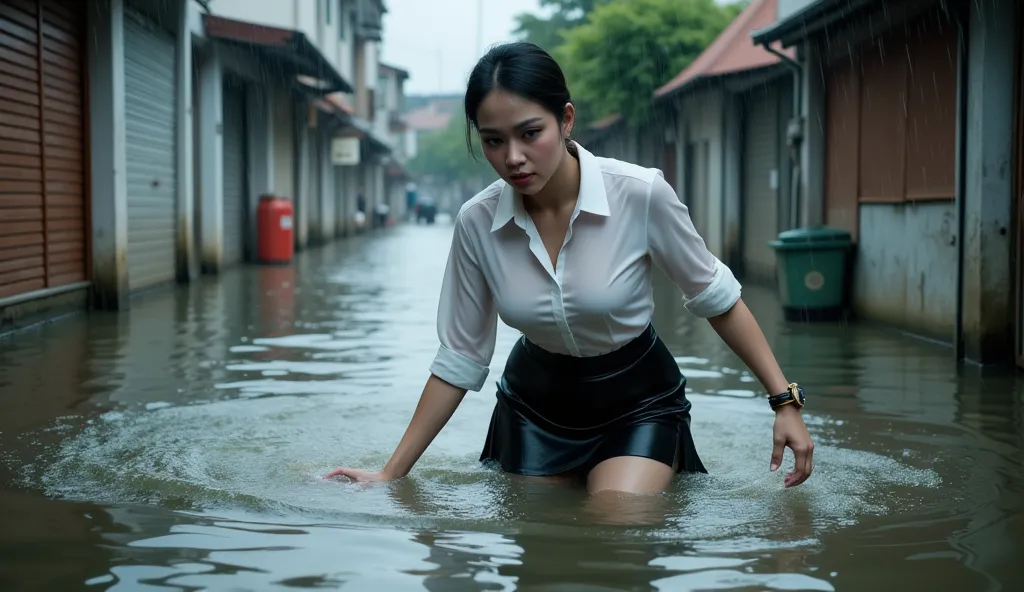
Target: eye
{"points": [[492, 142], [531, 134]]}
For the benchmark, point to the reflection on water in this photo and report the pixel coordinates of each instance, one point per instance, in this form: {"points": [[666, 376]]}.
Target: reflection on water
{"points": [[180, 446]]}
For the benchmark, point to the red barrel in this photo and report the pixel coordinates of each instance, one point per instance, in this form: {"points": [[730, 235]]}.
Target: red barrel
{"points": [[274, 242]]}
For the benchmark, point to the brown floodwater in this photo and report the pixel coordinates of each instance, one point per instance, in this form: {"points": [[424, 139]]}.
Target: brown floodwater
{"points": [[179, 446]]}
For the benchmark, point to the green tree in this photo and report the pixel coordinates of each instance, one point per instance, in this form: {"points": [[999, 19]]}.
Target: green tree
{"points": [[547, 32], [628, 48], [443, 156]]}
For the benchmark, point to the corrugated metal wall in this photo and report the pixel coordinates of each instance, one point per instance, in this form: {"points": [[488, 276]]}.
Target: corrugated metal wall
{"points": [[151, 153], [234, 174], [43, 209], [760, 204]]}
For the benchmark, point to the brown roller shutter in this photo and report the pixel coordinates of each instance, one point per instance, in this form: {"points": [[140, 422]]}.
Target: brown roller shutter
{"points": [[42, 188]]}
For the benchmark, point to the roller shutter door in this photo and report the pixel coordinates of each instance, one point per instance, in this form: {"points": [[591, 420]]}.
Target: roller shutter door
{"points": [[760, 165], [43, 220], [234, 174], [149, 55]]}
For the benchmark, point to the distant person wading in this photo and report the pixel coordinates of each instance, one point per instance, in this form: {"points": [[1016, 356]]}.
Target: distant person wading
{"points": [[561, 248]]}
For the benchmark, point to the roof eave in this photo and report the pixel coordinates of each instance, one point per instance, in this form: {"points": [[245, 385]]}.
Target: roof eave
{"points": [[704, 81], [287, 47], [809, 20]]}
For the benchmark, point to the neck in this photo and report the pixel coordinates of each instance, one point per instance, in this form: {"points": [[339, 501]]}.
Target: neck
{"points": [[562, 189]]}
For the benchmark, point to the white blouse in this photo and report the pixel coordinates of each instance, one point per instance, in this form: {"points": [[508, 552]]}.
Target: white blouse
{"points": [[597, 297]]}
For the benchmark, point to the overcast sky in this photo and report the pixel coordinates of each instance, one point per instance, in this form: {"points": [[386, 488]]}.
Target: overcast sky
{"points": [[436, 40]]}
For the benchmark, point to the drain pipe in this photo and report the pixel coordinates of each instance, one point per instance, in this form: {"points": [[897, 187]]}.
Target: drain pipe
{"points": [[794, 134], [961, 186]]}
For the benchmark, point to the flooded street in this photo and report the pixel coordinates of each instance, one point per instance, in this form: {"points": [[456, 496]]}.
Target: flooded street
{"points": [[179, 446]]}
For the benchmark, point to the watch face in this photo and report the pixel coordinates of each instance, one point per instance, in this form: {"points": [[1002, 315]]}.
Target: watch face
{"points": [[801, 399]]}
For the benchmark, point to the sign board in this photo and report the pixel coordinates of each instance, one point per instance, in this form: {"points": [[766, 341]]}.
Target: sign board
{"points": [[345, 151]]}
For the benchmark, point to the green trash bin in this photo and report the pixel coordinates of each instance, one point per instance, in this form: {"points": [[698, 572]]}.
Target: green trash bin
{"points": [[811, 264]]}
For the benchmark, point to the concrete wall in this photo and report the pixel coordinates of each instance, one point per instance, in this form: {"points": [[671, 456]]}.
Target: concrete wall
{"points": [[988, 242], [345, 50], [109, 190], [702, 116], [906, 267], [277, 13]]}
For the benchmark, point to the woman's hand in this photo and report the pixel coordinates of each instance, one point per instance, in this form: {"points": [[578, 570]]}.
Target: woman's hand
{"points": [[790, 431], [359, 476]]}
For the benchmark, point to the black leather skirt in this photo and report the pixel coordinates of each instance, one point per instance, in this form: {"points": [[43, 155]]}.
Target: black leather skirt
{"points": [[560, 414]]}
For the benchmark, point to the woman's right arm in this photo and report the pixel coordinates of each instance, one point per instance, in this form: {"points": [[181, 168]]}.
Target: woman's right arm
{"points": [[436, 406], [467, 328]]}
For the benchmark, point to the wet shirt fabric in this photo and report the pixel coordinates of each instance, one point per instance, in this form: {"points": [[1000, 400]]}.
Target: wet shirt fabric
{"points": [[597, 297]]}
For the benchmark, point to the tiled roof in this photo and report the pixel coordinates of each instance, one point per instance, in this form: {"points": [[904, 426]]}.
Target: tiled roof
{"points": [[733, 50]]}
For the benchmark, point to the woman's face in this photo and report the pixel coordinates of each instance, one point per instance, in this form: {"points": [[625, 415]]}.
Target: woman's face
{"points": [[522, 140]]}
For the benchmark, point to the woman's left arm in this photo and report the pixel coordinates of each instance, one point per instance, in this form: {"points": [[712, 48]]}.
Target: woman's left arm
{"points": [[739, 330], [713, 293]]}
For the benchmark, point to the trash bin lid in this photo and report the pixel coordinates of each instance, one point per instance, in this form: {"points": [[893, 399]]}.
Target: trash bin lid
{"points": [[814, 234], [812, 237]]}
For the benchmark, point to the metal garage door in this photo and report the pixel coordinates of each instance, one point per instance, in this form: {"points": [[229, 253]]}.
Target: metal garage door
{"points": [[760, 181], [42, 189], [234, 173], [151, 150]]}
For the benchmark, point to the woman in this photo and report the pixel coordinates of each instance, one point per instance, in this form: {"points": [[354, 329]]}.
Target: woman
{"points": [[561, 248]]}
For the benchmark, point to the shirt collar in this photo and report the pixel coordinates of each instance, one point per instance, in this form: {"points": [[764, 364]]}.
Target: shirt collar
{"points": [[592, 198]]}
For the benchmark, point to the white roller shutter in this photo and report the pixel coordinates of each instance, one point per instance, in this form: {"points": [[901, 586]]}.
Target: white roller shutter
{"points": [[151, 150]]}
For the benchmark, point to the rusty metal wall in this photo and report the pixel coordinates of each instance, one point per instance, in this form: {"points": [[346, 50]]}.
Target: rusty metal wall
{"points": [[891, 120]]}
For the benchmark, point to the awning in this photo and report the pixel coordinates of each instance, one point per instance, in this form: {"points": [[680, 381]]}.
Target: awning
{"points": [[290, 49], [349, 125], [364, 129], [811, 19]]}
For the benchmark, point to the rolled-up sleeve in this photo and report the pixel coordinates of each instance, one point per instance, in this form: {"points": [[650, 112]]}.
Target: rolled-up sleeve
{"points": [[466, 317], [709, 287]]}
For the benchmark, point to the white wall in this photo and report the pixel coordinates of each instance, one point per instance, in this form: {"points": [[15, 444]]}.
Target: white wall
{"points": [[275, 13], [411, 144], [328, 32], [702, 114], [306, 18], [345, 49], [372, 60]]}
